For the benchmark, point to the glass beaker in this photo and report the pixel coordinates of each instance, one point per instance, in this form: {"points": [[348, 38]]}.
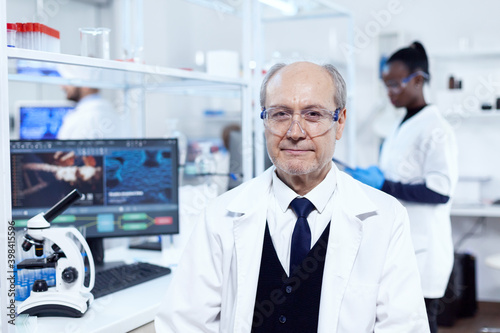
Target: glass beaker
{"points": [[94, 42]]}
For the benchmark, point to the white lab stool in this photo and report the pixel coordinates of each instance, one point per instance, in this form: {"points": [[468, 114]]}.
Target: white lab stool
{"points": [[492, 261]]}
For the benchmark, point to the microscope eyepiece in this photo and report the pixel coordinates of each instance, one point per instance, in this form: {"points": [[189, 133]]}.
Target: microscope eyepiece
{"points": [[62, 205]]}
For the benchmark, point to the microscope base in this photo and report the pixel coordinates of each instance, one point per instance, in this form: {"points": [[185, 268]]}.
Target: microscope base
{"points": [[56, 304]]}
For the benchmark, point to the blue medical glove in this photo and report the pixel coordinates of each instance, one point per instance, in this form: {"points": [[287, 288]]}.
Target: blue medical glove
{"points": [[372, 176]]}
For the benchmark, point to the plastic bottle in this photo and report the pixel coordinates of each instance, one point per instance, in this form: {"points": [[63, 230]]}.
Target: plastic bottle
{"points": [[205, 163]]}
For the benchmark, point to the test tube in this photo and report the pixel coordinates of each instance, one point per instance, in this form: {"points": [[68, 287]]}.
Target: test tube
{"points": [[51, 39], [11, 34], [20, 35], [37, 42], [28, 33]]}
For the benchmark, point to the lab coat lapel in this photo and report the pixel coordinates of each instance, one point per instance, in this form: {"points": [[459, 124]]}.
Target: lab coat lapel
{"points": [[351, 206], [249, 228]]}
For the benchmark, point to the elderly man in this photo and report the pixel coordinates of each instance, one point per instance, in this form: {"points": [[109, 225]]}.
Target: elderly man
{"points": [[302, 247]]}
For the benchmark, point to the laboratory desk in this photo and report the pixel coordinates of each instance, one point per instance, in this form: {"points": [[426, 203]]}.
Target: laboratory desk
{"points": [[118, 312], [476, 210], [481, 211]]}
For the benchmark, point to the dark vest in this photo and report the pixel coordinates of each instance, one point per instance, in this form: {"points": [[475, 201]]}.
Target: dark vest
{"points": [[289, 304]]}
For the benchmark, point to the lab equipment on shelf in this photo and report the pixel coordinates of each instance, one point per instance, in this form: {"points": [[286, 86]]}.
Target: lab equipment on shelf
{"points": [[205, 162], [11, 34], [94, 42], [37, 36]]}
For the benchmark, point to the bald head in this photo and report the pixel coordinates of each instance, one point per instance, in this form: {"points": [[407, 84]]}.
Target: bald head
{"points": [[304, 70]]}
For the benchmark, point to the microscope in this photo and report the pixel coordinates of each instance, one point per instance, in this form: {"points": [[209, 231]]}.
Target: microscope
{"points": [[69, 297]]}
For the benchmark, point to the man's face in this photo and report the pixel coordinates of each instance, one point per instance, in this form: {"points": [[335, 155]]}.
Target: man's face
{"points": [[297, 87], [72, 93]]}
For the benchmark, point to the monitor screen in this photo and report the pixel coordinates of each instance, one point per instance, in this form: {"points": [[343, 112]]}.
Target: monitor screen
{"points": [[41, 120], [129, 187]]}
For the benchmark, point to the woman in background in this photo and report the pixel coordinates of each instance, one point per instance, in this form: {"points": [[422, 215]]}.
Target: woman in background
{"points": [[418, 165]]}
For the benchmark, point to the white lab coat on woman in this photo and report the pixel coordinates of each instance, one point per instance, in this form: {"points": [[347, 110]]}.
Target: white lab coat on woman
{"points": [[93, 118], [370, 282], [423, 150]]}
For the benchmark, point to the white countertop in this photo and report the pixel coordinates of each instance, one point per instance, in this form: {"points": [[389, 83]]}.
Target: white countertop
{"points": [[118, 312], [476, 210]]}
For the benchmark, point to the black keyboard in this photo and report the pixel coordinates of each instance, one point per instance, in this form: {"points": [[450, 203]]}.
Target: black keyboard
{"points": [[124, 276], [155, 246]]}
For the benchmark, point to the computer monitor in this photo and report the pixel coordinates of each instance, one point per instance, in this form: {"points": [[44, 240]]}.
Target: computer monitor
{"points": [[129, 187], [40, 120]]}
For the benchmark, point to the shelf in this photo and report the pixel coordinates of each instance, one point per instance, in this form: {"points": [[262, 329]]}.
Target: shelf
{"points": [[466, 55], [492, 114], [112, 74]]}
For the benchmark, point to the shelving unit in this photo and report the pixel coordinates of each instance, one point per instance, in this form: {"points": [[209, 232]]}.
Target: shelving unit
{"points": [[478, 73], [475, 129], [111, 74], [467, 55]]}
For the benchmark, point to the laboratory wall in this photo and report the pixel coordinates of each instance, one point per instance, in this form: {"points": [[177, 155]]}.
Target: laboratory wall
{"points": [[179, 34]]}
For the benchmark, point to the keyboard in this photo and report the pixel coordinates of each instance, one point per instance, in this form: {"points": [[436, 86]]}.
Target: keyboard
{"points": [[124, 276], [154, 246]]}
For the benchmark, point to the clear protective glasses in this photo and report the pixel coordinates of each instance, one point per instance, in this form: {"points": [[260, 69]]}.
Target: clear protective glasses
{"points": [[397, 86], [314, 121]]}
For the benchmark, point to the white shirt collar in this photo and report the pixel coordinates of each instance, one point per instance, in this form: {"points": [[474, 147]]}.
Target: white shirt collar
{"points": [[319, 196]]}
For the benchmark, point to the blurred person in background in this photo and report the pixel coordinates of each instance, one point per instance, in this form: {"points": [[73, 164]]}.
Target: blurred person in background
{"points": [[418, 166], [94, 117]]}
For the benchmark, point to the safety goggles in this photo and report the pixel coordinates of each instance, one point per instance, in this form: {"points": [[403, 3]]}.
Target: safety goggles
{"points": [[397, 86], [315, 121]]}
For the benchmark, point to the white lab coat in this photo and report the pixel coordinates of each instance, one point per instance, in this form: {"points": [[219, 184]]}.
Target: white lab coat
{"points": [[93, 118], [370, 282], [422, 150]]}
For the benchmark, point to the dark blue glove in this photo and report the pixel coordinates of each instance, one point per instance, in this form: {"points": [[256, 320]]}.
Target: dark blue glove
{"points": [[372, 176]]}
